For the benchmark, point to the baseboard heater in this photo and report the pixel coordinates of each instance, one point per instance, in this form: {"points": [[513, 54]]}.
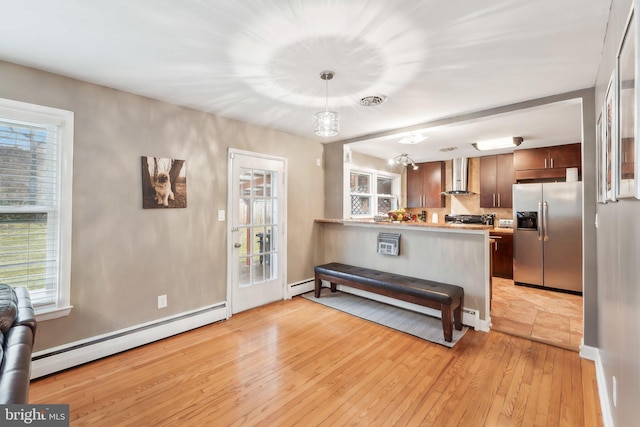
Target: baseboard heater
{"points": [[57, 359]]}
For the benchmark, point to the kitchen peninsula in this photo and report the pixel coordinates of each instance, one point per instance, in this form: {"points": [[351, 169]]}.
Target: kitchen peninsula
{"points": [[458, 254]]}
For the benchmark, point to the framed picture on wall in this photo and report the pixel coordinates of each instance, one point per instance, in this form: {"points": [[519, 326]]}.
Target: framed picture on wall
{"points": [[164, 183], [600, 175], [609, 138], [626, 178]]}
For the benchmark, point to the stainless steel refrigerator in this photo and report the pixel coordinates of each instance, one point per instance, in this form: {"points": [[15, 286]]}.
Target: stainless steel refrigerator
{"points": [[548, 235]]}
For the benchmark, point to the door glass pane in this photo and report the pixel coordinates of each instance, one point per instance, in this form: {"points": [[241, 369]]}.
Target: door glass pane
{"points": [[271, 236], [245, 182], [258, 212], [268, 211], [244, 269], [271, 266], [258, 183], [244, 212], [269, 189], [258, 269], [243, 239]]}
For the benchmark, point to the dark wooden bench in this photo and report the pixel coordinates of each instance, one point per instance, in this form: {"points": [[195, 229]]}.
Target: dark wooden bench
{"points": [[449, 299]]}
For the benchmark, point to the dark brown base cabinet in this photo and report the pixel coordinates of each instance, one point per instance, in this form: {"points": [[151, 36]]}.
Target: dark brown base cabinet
{"points": [[425, 185], [502, 255]]}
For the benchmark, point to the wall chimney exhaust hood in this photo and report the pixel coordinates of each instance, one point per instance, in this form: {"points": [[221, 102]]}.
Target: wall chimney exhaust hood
{"points": [[460, 178]]}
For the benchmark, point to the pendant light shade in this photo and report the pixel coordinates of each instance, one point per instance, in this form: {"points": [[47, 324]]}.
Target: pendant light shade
{"points": [[327, 122]]}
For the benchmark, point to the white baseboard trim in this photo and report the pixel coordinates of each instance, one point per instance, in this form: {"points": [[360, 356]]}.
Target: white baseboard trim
{"points": [[301, 287], [470, 316], [593, 353], [56, 359]]}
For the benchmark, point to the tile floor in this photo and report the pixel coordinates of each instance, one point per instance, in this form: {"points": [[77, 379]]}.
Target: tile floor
{"points": [[547, 316]]}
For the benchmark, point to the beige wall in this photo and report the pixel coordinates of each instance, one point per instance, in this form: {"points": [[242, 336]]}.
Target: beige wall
{"points": [[123, 257], [618, 266]]}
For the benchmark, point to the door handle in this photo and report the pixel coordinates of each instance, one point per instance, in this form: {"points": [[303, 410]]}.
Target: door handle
{"points": [[544, 221], [494, 200], [540, 221], [552, 162], [237, 245], [498, 199]]}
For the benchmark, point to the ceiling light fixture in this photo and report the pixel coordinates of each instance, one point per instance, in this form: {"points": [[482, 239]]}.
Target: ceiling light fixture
{"points": [[326, 121], [495, 144], [404, 160], [413, 138]]}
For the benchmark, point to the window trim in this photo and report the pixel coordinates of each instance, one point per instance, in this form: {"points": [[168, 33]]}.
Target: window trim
{"points": [[24, 111], [348, 168]]}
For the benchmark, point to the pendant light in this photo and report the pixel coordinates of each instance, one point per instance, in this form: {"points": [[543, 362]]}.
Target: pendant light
{"points": [[326, 121]]}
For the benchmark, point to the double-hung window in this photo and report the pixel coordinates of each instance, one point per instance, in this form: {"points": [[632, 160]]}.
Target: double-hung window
{"points": [[36, 159], [371, 192]]}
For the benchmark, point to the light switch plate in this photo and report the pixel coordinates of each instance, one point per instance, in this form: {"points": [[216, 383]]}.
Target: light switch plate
{"points": [[221, 216]]}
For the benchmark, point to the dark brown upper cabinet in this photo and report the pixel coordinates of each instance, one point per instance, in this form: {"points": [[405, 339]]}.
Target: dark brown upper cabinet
{"points": [[425, 185], [547, 162], [496, 181]]}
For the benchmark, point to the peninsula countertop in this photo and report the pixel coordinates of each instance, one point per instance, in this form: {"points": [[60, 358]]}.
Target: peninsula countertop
{"points": [[405, 224], [415, 224]]}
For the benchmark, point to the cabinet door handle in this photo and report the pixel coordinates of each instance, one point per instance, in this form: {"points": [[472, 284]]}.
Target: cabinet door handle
{"points": [[552, 163], [498, 199], [545, 163], [493, 204]]}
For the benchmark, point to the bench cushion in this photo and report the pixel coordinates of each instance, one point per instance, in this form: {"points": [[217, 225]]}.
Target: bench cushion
{"points": [[420, 288]]}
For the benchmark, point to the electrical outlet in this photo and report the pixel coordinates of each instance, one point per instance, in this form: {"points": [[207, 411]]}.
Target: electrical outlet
{"points": [[162, 301], [615, 392]]}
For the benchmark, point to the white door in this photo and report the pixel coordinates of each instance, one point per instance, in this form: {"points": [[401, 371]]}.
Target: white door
{"points": [[257, 235]]}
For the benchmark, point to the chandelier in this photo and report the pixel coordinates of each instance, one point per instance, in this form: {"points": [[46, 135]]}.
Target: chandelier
{"points": [[326, 121], [404, 160]]}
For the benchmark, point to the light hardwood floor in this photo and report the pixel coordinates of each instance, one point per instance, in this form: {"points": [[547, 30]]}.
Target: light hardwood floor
{"points": [[543, 315], [300, 363]]}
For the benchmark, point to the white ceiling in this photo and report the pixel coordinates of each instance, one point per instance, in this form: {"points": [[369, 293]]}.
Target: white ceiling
{"points": [[259, 61]]}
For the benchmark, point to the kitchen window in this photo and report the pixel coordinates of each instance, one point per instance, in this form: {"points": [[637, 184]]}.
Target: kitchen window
{"points": [[36, 159], [372, 192]]}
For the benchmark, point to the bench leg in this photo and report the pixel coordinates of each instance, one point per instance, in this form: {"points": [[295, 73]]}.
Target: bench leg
{"points": [[318, 287], [447, 325], [457, 315], [334, 287]]}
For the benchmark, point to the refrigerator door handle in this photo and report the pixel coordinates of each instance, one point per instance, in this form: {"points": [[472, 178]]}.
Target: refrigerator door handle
{"points": [[539, 221], [545, 217]]}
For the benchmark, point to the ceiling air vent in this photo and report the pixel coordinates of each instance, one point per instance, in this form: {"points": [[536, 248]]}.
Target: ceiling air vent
{"points": [[370, 101]]}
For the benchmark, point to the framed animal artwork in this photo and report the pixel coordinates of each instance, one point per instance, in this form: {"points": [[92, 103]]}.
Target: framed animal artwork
{"points": [[164, 183]]}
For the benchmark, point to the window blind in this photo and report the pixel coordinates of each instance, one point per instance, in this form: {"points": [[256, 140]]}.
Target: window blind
{"points": [[29, 208]]}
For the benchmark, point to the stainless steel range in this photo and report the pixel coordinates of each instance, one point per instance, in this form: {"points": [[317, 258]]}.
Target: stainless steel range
{"points": [[469, 219]]}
